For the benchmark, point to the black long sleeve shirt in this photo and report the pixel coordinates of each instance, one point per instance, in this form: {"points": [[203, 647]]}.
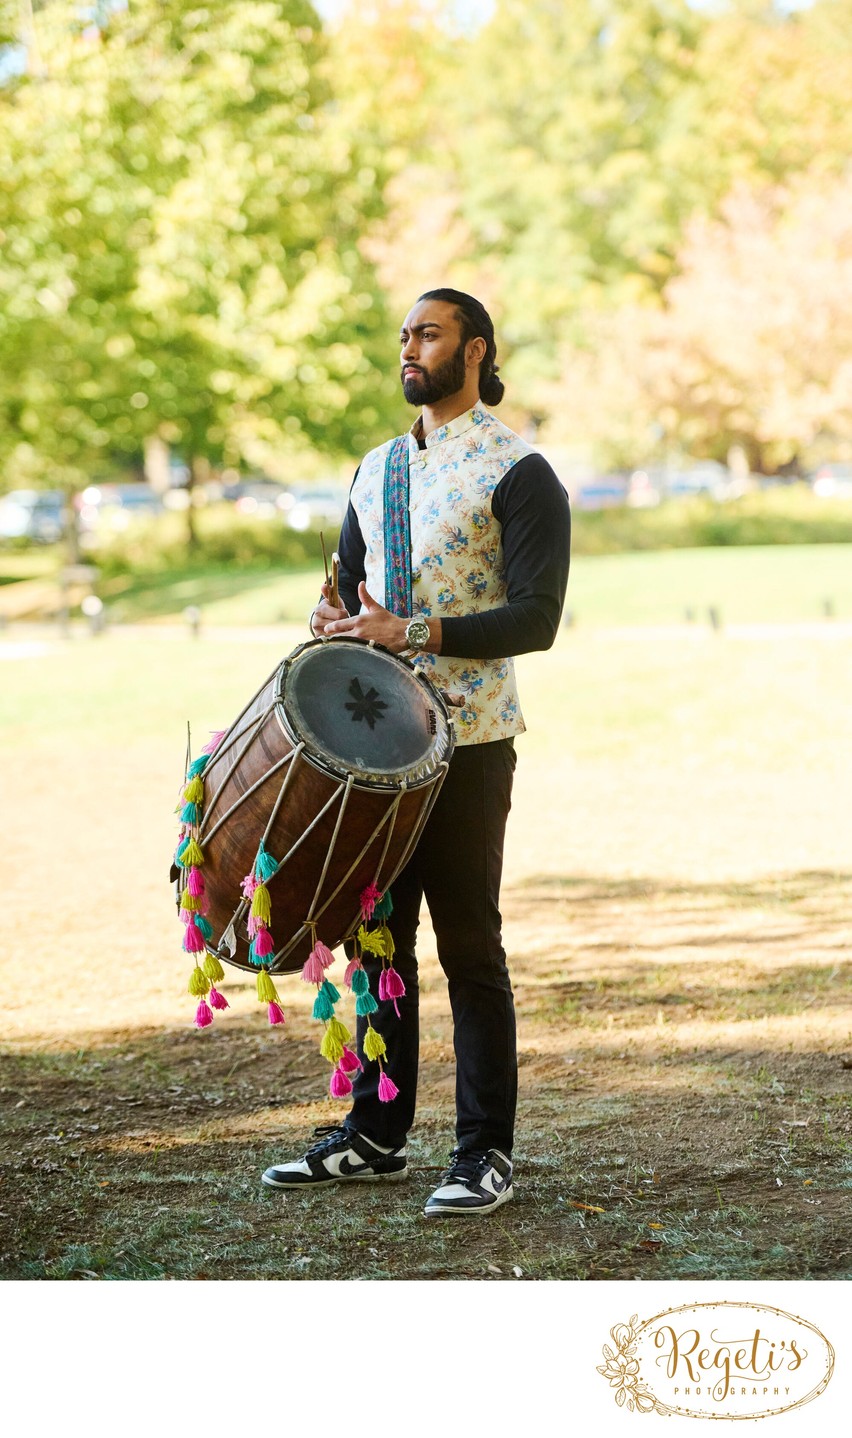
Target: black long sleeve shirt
{"points": [[532, 509]]}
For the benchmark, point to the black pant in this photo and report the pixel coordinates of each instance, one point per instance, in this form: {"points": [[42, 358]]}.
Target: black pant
{"points": [[457, 865]]}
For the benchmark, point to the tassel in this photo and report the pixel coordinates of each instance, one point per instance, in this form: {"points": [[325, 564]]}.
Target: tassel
{"points": [[266, 990], [195, 883], [216, 737], [339, 1086], [371, 941], [339, 1030], [252, 956], [261, 907], [374, 1045], [331, 1048], [189, 814], [198, 983], [194, 791], [265, 867], [213, 969], [324, 954], [331, 993], [204, 925], [203, 1015], [193, 939], [365, 1004], [387, 1088], [275, 1014], [198, 766], [217, 1000], [394, 984], [369, 898], [323, 1007], [312, 970], [351, 969], [248, 886], [384, 907], [360, 982], [253, 925], [383, 985], [181, 849], [191, 855], [263, 944], [390, 946], [349, 1062], [189, 903]]}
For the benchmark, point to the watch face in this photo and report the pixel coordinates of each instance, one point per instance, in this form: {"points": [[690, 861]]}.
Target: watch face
{"points": [[417, 633]]}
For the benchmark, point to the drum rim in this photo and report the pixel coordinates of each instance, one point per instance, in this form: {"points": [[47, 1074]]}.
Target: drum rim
{"points": [[364, 779]]}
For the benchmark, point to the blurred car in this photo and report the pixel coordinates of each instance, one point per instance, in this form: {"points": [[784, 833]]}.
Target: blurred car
{"points": [[106, 509], [321, 508], [605, 491], [31, 514], [707, 477], [261, 498], [833, 481]]}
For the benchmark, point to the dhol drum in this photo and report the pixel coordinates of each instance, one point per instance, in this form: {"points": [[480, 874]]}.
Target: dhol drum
{"points": [[329, 773]]}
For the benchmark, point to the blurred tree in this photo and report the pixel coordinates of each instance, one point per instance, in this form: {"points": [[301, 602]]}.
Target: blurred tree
{"points": [[181, 220]]}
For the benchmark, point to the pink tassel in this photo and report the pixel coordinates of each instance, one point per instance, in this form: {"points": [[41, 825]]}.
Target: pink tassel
{"points": [[203, 1016], [248, 886], [193, 939], [217, 1000], [349, 1063], [195, 883], [216, 737], [350, 969], [393, 984], [383, 984], [387, 1088], [275, 1014], [263, 944], [324, 954], [369, 898], [186, 915], [312, 970], [339, 1086], [253, 925]]}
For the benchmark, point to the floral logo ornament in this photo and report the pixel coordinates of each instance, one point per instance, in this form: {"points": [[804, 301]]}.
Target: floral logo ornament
{"points": [[621, 1369]]}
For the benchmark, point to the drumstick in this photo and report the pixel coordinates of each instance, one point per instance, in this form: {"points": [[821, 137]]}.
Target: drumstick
{"points": [[324, 559], [335, 570]]}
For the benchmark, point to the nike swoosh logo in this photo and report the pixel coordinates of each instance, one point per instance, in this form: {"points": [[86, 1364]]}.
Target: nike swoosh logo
{"points": [[346, 1168], [493, 1180]]}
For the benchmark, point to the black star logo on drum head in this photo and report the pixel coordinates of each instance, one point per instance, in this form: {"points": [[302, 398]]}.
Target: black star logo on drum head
{"points": [[365, 706]]}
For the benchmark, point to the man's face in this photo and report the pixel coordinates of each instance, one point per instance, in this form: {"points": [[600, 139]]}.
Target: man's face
{"points": [[432, 358]]}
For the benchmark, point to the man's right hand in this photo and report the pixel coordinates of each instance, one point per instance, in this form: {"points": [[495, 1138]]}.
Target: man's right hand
{"points": [[325, 613]]}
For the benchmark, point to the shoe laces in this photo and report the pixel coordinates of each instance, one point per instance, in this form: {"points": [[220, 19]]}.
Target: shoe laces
{"points": [[329, 1135], [466, 1165]]}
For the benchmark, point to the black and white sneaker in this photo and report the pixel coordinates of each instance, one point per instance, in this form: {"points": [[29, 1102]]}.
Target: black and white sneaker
{"points": [[338, 1156], [475, 1182]]}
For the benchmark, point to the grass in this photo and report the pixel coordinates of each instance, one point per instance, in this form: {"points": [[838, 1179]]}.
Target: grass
{"points": [[676, 916]]}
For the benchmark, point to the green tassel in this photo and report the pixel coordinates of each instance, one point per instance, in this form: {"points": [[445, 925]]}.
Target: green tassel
{"points": [[261, 906], [212, 968], [182, 846], [371, 941], [198, 984], [194, 791], [365, 1004], [266, 990], [340, 1030], [265, 867], [323, 1007], [331, 993], [331, 1047], [198, 766], [189, 814], [204, 925], [360, 982], [374, 1045], [191, 855], [390, 946], [384, 908]]}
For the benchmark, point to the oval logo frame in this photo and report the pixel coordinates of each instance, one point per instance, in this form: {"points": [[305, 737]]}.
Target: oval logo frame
{"points": [[726, 1365]]}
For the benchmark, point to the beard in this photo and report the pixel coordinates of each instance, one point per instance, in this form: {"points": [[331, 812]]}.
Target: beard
{"points": [[430, 386]]}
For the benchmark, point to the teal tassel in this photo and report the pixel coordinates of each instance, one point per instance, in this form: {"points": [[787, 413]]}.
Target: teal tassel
{"points": [[384, 908], [323, 1007], [331, 993], [189, 814], [204, 925], [265, 867], [360, 982], [184, 844], [253, 958], [365, 1004], [198, 766]]}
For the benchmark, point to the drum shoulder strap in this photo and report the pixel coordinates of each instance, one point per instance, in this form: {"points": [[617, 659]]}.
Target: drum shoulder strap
{"points": [[397, 528]]}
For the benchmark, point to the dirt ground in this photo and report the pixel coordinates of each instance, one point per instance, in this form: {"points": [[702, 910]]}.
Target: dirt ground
{"points": [[676, 917]]}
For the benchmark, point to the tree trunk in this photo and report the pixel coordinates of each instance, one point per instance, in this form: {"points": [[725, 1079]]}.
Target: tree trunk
{"points": [[199, 473]]}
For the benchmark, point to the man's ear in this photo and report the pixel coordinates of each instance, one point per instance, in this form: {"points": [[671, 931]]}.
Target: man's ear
{"points": [[475, 351]]}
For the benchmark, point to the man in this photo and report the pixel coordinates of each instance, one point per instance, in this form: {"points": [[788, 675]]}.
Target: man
{"points": [[489, 551]]}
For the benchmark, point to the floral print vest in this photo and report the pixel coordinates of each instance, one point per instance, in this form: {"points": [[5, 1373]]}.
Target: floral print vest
{"points": [[456, 554]]}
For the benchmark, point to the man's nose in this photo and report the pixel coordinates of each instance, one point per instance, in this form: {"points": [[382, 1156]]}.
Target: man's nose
{"points": [[409, 350]]}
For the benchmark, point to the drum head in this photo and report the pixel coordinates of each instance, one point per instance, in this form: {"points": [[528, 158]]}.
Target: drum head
{"points": [[363, 711]]}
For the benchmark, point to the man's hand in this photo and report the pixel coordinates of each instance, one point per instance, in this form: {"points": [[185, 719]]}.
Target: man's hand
{"points": [[375, 623], [325, 613]]}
